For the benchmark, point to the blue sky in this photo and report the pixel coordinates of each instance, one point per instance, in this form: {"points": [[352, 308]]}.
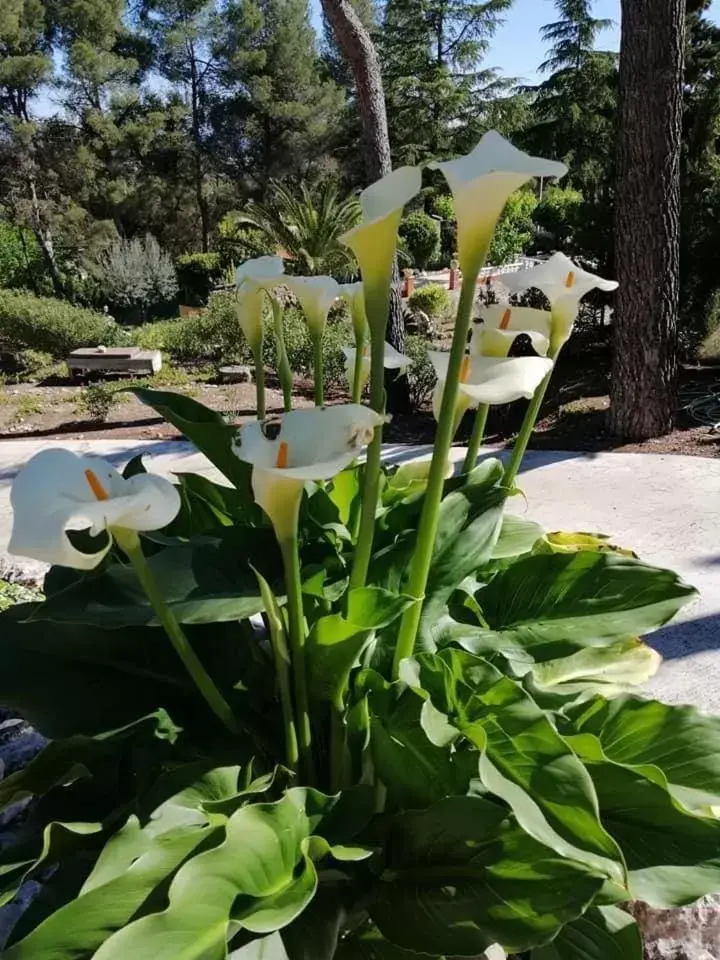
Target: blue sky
{"points": [[517, 49]]}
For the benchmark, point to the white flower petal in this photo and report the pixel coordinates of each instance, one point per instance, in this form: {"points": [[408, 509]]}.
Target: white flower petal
{"points": [[316, 296], [481, 184], [519, 319], [54, 493], [489, 342], [558, 277], [495, 154], [319, 442], [260, 270], [390, 194], [495, 381]]}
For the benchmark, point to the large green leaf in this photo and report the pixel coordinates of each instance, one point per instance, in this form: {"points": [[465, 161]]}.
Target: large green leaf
{"points": [[203, 427], [517, 537], [603, 933], [203, 581], [207, 505], [412, 749], [522, 757], [458, 877], [681, 741], [134, 862], [552, 605], [258, 878], [673, 856], [336, 640], [71, 679], [63, 762], [609, 671]]}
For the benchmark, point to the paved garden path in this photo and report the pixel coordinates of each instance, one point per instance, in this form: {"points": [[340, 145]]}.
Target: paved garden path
{"points": [[666, 508]]}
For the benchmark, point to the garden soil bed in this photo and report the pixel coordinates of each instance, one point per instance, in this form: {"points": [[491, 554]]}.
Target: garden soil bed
{"points": [[573, 416]]}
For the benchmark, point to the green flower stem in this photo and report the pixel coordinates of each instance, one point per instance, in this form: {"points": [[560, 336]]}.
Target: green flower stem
{"points": [[278, 642], [523, 438], [366, 530], [476, 438], [357, 372], [318, 371], [259, 382], [422, 558], [129, 541], [296, 624], [338, 749], [283, 364]]}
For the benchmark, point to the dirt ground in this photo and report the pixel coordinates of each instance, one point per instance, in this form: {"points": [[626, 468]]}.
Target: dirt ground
{"points": [[573, 416]]}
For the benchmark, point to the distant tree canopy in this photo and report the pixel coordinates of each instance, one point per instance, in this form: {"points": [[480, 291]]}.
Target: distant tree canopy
{"points": [[124, 119]]}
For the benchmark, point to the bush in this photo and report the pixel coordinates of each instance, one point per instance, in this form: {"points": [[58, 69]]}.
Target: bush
{"points": [[52, 326], [559, 215], [97, 400], [442, 205], [421, 375], [433, 299], [421, 235], [515, 228], [137, 277], [20, 260], [197, 274]]}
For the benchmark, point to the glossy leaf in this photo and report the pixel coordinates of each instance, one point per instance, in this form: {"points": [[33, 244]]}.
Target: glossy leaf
{"points": [[598, 670], [680, 741], [522, 758], [336, 641], [517, 537], [203, 427], [203, 581], [673, 856], [258, 878], [459, 878], [603, 933], [552, 605]]}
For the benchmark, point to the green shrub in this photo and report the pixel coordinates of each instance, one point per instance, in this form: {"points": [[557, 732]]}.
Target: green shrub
{"points": [[515, 228], [433, 299], [52, 326], [20, 259], [421, 373], [97, 400], [197, 274], [559, 214], [137, 278], [421, 235], [442, 205]]}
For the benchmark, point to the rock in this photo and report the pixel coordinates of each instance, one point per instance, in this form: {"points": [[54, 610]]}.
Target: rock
{"points": [[235, 373], [688, 933], [674, 950]]}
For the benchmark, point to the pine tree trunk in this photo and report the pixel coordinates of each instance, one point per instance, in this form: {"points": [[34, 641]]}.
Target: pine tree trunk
{"points": [[644, 375], [359, 50]]}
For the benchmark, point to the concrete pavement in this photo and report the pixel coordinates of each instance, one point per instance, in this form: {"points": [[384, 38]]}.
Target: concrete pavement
{"points": [[666, 508]]}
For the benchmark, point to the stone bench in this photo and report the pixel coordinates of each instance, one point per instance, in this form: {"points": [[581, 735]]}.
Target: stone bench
{"points": [[131, 360]]}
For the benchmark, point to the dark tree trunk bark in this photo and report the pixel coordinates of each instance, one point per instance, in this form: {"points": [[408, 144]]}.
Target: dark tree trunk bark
{"points": [[647, 225], [359, 50]]}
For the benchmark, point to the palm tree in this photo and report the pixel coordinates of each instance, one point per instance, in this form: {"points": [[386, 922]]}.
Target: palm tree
{"points": [[305, 229]]}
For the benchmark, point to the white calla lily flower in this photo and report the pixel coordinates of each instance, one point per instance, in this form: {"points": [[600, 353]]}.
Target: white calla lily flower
{"points": [[58, 490], [564, 284], [316, 295], [374, 240], [490, 380], [481, 183], [260, 272], [392, 360], [303, 445], [501, 324], [354, 295], [251, 278]]}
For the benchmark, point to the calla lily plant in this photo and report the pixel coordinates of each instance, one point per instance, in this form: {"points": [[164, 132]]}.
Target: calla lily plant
{"points": [[403, 720]]}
